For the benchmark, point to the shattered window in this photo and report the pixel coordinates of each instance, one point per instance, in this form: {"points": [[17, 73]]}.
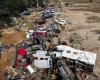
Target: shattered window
{"points": [[75, 53], [68, 51]]}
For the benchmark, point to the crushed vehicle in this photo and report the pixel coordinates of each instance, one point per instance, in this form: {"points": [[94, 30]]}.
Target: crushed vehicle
{"points": [[43, 57], [43, 60], [85, 60], [54, 27], [61, 61], [46, 15], [61, 21], [40, 21], [49, 13]]}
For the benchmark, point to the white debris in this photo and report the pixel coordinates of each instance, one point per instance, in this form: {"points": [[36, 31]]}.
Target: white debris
{"points": [[63, 47], [83, 56], [58, 54], [42, 60], [29, 33], [61, 21], [40, 53], [30, 69]]}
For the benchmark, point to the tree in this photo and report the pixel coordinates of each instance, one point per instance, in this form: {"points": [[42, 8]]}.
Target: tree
{"points": [[3, 7], [10, 8], [16, 6]]}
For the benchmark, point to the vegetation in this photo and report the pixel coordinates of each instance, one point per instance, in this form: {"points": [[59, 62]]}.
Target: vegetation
{"points": [[11, 8], [93, 19], [96, 31], [78, 1], [15, 6]]}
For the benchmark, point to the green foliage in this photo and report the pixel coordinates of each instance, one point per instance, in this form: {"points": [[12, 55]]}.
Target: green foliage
{"points": [[10, 8], [15, 6]]}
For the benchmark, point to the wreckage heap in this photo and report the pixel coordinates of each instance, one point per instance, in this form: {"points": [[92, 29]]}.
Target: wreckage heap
{"points": [[38, 57]]}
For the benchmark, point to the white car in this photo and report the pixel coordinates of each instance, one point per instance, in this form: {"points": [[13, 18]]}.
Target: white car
{"points": [[61, 21]]}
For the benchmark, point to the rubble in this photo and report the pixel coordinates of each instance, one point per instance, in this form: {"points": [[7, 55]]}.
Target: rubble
{"points": [[42, 56]]}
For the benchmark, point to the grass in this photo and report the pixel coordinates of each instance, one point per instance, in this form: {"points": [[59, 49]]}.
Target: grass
{"points": [[77, 1], [81, 1], [93, 19], [94, 6], [96, 31]]}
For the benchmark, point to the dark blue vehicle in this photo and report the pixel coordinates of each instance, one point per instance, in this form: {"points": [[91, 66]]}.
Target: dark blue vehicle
{"points": [[52, 26], [46, 15]]}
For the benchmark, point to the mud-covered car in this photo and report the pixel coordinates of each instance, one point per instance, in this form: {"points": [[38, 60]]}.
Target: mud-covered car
{"points": [[40, 21]]}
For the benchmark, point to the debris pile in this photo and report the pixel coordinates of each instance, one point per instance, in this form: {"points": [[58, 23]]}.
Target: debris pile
{"points": [[42, 56]]}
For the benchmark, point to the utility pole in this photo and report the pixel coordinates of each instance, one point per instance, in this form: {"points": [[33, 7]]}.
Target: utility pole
{"points": [[37, 3]]}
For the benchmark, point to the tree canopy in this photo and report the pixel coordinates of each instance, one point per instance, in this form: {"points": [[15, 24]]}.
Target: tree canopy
{"points": [[10, 8], [15, 6]]}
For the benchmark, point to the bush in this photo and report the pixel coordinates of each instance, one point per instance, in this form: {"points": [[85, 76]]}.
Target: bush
{"points": [[93, 19], [96, 31]]}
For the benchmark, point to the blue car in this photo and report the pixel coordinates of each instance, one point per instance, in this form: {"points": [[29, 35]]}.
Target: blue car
{"points": [[47, 15]]}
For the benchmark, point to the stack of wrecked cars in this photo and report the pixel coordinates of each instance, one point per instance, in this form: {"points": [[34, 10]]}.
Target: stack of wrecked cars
{"points": [[59, 62]]}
